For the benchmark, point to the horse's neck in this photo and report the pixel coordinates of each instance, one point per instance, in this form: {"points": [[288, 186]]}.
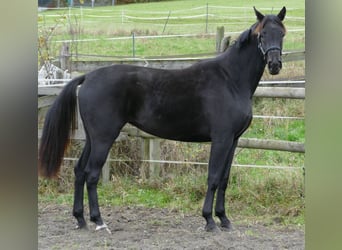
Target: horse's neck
{"points": [[247, 65]]}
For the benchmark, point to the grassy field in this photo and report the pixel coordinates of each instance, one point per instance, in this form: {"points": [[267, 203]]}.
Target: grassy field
{"points": [[266, 195], [95, 31]]}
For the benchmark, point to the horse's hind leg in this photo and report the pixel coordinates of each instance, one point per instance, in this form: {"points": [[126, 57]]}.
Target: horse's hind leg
{"points": [[100, 146], [79, 186], [96, 161]]}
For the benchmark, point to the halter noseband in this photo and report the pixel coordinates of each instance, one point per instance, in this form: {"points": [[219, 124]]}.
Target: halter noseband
{"points": [[263, 51]]}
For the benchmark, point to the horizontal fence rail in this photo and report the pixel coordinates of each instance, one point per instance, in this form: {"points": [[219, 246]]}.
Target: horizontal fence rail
{"points": [[253, 143], [243, 142], [193, 163], [50, 92], [153, 37], [268, 92], [171, 62], [151, 144]]}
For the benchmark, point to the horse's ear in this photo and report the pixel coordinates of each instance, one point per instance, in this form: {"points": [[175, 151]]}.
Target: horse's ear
{"points": [[244, 38], [282, 14], [258, 14]]}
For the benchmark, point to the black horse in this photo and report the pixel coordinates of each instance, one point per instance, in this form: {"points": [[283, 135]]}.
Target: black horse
{"points": [[209, 101]]}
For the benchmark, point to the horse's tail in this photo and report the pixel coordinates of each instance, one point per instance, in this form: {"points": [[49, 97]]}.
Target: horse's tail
{"points": [[55, 137]]}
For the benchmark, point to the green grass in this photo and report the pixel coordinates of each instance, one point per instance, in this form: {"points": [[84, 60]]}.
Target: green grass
{"points": [[253, 194], [110, 22]]}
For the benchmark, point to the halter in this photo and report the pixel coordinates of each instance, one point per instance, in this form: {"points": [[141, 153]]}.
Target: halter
{"points": [[263, 51]]}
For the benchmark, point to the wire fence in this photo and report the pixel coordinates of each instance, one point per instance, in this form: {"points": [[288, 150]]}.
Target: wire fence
{"points": [[193, 163], [92, 30], [204, 15]]}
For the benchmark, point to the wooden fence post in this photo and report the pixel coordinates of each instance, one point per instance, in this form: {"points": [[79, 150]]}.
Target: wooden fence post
{"points": [[150, 150], [145, 154], [154, 155], [219, 37], [64, 57], [106, 170]]}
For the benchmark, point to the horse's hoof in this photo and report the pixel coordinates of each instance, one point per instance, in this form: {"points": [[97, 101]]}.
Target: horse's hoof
{"points": [[81, 227], [103, 226], [212, 228], [226, 227]]}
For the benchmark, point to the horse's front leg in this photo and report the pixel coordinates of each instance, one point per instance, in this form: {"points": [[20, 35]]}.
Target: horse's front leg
{"points": [[218, 155], [220, 197]]}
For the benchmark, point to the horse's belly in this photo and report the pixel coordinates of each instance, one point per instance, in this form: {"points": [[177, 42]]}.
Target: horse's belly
{"points": [[181, 129]]}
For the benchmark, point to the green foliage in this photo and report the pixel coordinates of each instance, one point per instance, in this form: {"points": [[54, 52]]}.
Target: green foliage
{"points": [[123, 20], [138, 1], [252, 193], [265, 192], [278, 129]]}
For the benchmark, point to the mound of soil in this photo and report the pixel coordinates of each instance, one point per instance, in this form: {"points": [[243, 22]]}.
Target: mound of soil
{"points": [[147, 228]]}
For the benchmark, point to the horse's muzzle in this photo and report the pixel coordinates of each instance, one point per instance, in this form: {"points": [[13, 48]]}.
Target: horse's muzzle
{"points": [[274, 62], [274, 67]]}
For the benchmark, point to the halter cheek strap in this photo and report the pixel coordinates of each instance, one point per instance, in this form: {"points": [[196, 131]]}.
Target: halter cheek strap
{"points": [[263, 51]]}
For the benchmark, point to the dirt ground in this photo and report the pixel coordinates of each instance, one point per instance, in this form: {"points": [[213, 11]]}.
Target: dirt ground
{"points": [[148, 228]]}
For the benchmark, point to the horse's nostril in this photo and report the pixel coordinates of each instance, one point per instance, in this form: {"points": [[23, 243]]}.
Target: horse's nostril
{"points": [[274, 67], [275, 64]]}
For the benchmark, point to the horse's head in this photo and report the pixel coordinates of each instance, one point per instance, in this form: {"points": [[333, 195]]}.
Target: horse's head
{"points": [[271, 31]]}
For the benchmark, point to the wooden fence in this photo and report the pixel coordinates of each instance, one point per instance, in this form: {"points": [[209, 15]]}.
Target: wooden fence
{"points": [[150, 147], [172, 62], [151, 144]]}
